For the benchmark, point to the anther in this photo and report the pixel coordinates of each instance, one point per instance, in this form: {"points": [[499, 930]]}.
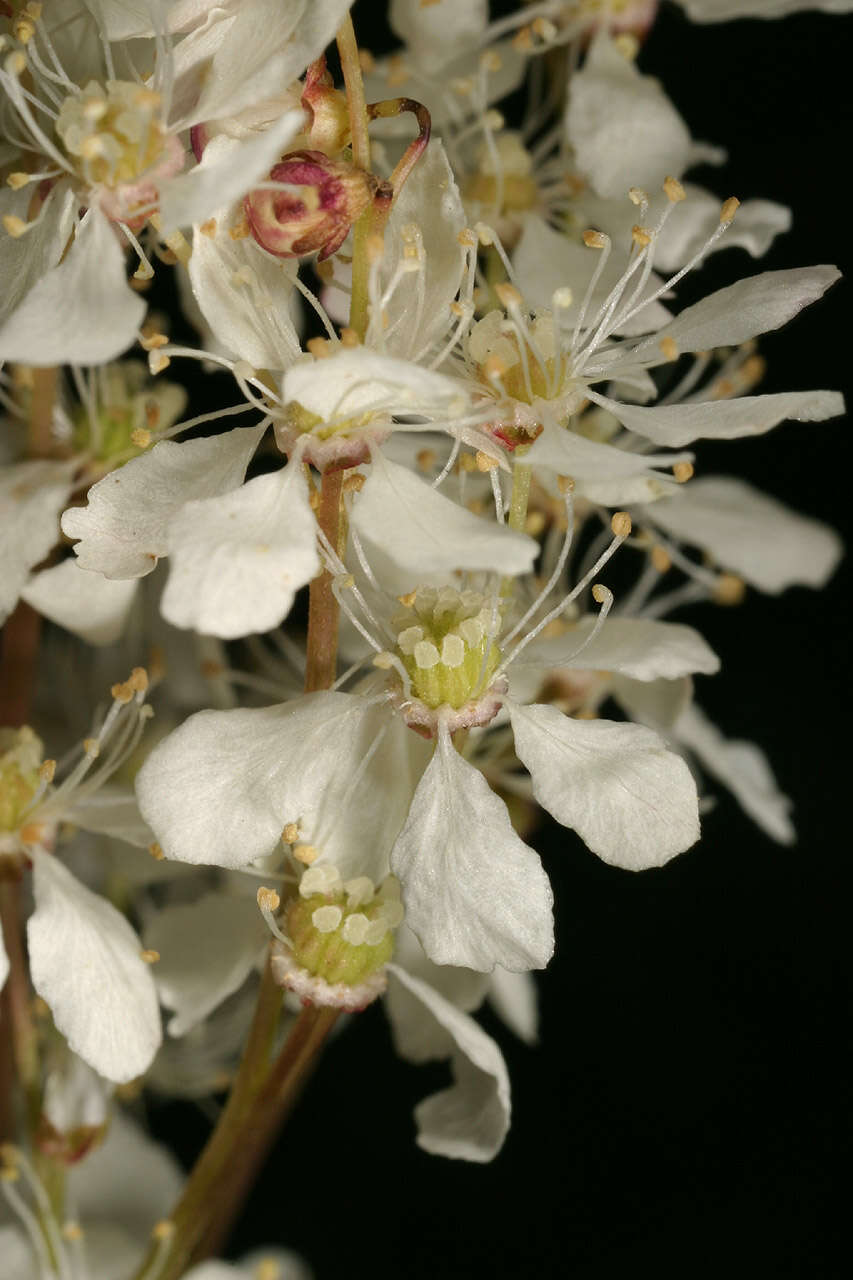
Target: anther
{"points": [[485, 462], [140, 437], [491, 61], [47, 769], [149, 955], [72, 1231], [320, 348], [268, 899], [565, 484], [669, 348], [729, 210], [508, 296], [163, 1230], [561, 298], [661, 559], [18, 180], [595, 240], [641, 236], [674, 190], [637, 195], [290, 833], [306, 854], [349, 337], [157, 362], [208, 228], [15, 226], [729, 589], [327, 919], [682, 471], [620, 523], [91, 746]]}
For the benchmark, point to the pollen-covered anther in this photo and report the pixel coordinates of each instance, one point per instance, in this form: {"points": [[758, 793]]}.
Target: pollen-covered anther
{"points": [[306, 854], [140, 437], [156, 851], [669, 348], [729, 209], [508, 296], [562, 298], [319, 348], [601, 594], [637, 195], [72, 1230], [485, 461], [729, 589], [620, 523], [18, 180], [163, 1230], [682, 471], [641, 236], [595, 239], [149, 955], [660, 558], [290, 833], [565, 484], [15, 226], [268, 899], [47, 770], [91, 746]]}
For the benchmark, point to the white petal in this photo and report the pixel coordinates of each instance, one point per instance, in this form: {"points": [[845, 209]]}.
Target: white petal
{"points": [[634, 647], [124, 528], [19, 1261], [32, 494], [723, 10], [418, 1038], [238, 559], [80, 312], [624, 130], [743, 768], [680, 424], [422, 531], [750, 533], [85, 603], [418, 311], [753, 306], [207, 950], [357, 381], [222, 787], [438, 31], [86, 965], [656, 703], [629, 799], [245, 295], [111, 811], [468, 1121], [225, 173], [689, 227], [23, 262], [101, 1190], [514, 998], [546, 259], [474, 893], [596, 465]]}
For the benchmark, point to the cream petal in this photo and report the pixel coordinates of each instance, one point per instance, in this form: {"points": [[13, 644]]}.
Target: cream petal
{"points": [[238, 559], [124, 528], [86, 965], [474, 893], [630, 800], [468, 1121]]}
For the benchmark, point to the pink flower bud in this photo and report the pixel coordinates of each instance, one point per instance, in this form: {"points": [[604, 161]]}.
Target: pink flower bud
{"points": [[315, 215]]}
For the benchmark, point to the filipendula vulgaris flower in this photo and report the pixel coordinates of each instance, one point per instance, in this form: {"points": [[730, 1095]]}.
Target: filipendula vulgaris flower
{"points": [[474, 893], [86, 962], [240, 551], [103, 418], [112, 146]]}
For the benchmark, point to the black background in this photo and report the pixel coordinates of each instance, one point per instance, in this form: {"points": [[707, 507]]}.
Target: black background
{"points": [[686, 1113]]}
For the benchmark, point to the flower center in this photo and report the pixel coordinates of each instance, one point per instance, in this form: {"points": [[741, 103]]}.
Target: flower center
{"points": [[445, 641], [503, 178], [20, 756], [343, 931], [112, 132], [125, 407]]}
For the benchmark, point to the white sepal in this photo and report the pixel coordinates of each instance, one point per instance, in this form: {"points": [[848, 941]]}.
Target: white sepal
{"points": [[124, 528], [86, 965], [630, 800], [207, 950], [422, 531], [474, 893], [238, 559], [468, 1121], [85, 603], [81, 311]]}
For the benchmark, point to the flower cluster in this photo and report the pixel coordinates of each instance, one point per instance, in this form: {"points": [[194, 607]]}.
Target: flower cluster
{"points": [[423, 586]]}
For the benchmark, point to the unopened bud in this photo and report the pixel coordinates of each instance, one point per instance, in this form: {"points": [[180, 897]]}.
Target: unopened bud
{"points": [[325, 199]]}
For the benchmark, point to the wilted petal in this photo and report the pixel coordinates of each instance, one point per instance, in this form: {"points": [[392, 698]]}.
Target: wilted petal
{"points": [[86, 965], [474, 893], [630, 800], [680, 424], [750, 533], [422, 531], [85, 603], [238, 559], [207, 950], [468, 1121], [81, 311], [743, 768], [124, 528], [624, 130]]}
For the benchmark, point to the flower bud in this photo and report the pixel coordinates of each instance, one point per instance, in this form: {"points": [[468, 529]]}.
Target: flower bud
{"points": [[315, 216]]}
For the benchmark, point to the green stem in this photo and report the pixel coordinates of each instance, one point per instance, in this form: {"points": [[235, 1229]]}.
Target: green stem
{"points": [[357, 105]]}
